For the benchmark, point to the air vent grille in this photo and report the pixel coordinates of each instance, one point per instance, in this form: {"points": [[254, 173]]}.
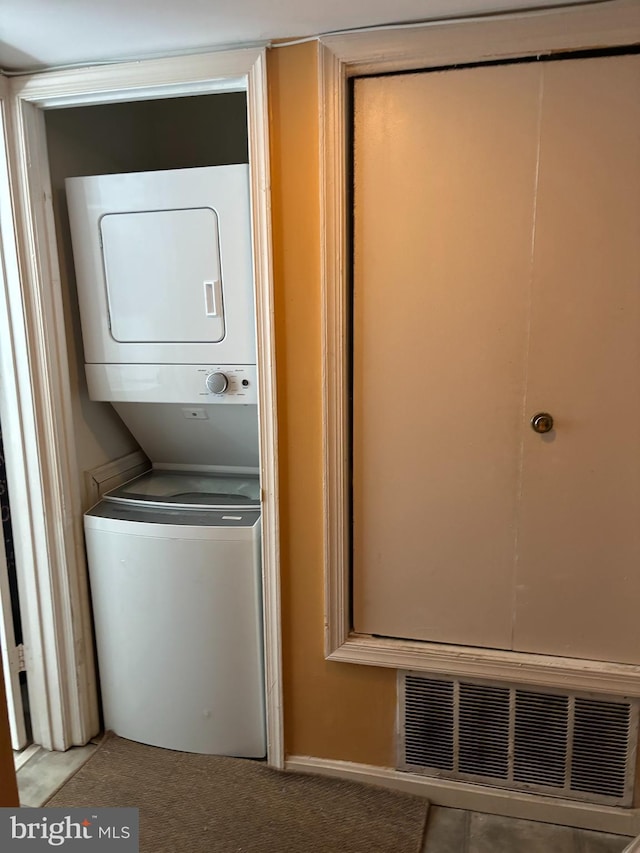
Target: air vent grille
{"points": [[541, 727], [600, 743], [429, 710], [566, 744], [483, 730]]}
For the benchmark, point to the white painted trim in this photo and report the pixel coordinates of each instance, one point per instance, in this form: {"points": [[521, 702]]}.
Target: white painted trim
{"points": [[10, 658], [334, 294], [64, 641], [8, 407], [342, 57], [479, 798], [55, 581], [225, 71], [444, 43], [22, 451], [21, 758], [267, 407], [518, 667]]}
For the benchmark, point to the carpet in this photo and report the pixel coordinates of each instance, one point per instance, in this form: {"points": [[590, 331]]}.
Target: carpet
{"points": [[210, 804]]}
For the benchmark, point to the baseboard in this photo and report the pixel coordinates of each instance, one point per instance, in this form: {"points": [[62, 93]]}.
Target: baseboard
{"points": [[20, 758], [464, 795]]}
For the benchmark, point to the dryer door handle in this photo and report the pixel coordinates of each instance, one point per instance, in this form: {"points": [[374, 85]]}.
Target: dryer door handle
{"points": [[213, 298]]}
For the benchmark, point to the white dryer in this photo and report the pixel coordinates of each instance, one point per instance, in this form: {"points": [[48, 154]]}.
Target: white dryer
{"points": [[174, 565], [165, 288], [164, 266]]}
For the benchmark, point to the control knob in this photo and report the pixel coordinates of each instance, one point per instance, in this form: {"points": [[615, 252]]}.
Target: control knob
{"points": [[217, 383]]}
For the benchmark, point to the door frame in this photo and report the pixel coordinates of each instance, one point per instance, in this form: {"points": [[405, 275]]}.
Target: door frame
{"points": [[10, 656], [16, 418], [436, 45], [52, 573]]}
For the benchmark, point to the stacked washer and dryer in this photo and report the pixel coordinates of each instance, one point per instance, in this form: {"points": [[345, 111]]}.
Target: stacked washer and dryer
{"points": [[165, 288]]}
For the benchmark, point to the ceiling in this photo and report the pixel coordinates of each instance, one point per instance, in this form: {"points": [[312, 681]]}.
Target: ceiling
{"points": [[41, 33]]}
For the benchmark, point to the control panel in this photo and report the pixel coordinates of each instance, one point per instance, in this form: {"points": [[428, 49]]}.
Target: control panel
{"points": [[224, 381], [193, 384]]}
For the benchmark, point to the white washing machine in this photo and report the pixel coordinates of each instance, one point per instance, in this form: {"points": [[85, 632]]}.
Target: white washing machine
{"points": [[174, 565]]}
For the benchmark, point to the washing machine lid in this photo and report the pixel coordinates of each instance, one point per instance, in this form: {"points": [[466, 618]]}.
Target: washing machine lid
{"points": [[187, 489]]}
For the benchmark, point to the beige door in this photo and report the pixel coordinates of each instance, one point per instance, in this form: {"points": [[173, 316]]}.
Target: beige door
{"points": [[497, 274]]}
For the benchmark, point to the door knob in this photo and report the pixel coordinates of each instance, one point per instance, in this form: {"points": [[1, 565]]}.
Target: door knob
{"points": [[542, 422]]}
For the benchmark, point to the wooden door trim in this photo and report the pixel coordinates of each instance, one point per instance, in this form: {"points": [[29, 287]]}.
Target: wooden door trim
{"points": [[342, 57]]}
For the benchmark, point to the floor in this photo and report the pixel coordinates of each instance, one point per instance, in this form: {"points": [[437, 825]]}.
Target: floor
{"points": [[40, 773], [457, 831]]}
